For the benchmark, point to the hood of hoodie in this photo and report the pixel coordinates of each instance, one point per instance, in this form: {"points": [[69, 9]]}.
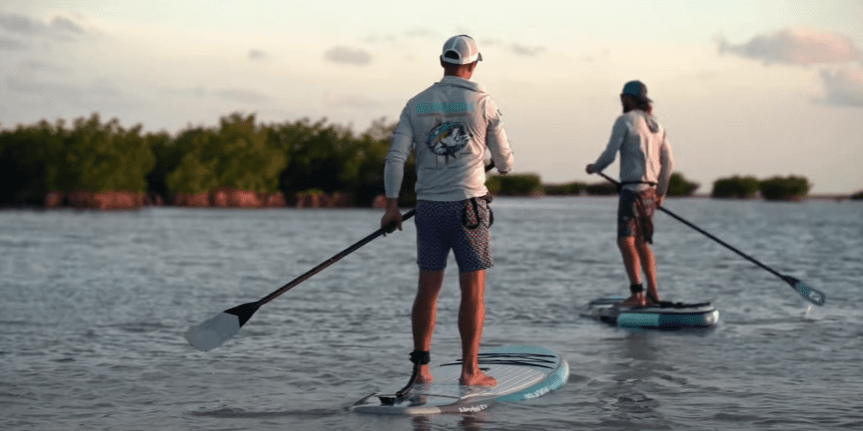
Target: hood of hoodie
{"points": [[651, 121]]}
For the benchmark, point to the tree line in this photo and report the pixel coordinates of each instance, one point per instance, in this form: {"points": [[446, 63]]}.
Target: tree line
{"points": [[239, 153], [790, 188]]}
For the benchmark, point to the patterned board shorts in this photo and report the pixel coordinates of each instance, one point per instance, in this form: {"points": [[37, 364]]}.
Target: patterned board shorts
{"points": [[635, 212], [458, 226]]}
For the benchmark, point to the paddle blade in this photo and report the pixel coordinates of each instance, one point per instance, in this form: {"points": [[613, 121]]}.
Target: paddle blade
{"points": [[811, 294], [214, 332]]}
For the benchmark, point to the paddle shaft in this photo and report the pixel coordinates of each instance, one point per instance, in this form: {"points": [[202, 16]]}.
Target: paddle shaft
{"points": [[784, 278], [339, 256], [330, 261]]}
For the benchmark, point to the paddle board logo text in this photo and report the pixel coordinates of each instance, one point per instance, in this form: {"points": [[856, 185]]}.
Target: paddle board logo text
{"points": [[476, 408], [538, 393]]}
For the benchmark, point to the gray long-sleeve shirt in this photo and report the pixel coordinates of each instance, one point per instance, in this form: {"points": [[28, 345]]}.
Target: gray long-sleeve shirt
{"points": [[450, 125]]}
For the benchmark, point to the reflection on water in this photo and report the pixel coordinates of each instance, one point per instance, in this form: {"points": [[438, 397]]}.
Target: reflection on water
{"points": [[93, 307], [468, 422]]}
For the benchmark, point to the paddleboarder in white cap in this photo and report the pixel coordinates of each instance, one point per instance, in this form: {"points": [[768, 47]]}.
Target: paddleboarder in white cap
{"points": [[450, 126]]}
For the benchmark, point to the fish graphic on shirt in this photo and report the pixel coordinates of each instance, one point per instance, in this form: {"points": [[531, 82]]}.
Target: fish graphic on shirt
{"points": [[448, 139]]}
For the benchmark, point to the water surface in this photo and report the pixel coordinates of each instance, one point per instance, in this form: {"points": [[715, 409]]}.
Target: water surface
{"points": [[93, 307]]}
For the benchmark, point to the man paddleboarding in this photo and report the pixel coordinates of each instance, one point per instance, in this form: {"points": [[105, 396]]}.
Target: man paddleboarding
{"points": [[450, 126], [646, 163]]}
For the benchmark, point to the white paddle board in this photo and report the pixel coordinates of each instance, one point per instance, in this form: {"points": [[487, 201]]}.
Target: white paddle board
{"points": [[522, 372]]}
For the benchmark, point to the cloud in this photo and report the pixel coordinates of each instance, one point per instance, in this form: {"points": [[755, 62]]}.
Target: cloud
{"points": [[409, 34], [64, 24], [489, 43], [21, 24], [527, 51], [7, 44], [515, 48], [345, 55], [590, 58], [49, 93], [63, 27], [36, 65], [844, 87], [242, 95], [258, 55], [795, 46], [374, 38], [46, 91]]}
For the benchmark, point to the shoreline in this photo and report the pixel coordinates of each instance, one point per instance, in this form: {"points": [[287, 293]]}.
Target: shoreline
{"points": [[239, 199]]}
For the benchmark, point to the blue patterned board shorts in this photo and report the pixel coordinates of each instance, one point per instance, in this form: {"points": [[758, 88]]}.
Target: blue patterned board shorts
{"points": [[635, 214], [445, 226]]}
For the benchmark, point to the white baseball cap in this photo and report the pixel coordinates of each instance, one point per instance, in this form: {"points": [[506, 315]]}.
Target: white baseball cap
{"points": [[460, 49]]}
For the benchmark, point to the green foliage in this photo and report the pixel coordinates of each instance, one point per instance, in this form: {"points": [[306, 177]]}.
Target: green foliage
{"points": [[514, 185], [735, 187], [193, 175], [101, 157], [601, 189], [28, 156], [91, 156], [679, 186], [567, 189], [316, 152], [857, 196], [167, 159], [237, 155], [785, 188], [333, 159], [363, 158]]}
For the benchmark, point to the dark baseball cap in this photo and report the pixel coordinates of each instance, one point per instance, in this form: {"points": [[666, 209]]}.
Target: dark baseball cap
{"points": [[636, 89]]}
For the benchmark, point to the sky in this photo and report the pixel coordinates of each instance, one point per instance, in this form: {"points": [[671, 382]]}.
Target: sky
{"points": [[743, 87]]}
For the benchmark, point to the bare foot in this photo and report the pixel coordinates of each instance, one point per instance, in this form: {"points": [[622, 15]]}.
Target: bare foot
{"points": [[636, 300], [424, 376], [654, 298], [477, 379]]}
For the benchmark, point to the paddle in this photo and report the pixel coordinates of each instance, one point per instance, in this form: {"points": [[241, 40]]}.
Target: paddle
{"points": [[809, 293], [222, 327], [215, 331]]}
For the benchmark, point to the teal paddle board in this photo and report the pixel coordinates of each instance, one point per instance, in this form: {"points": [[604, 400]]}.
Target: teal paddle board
{"points": [[668, 315]]}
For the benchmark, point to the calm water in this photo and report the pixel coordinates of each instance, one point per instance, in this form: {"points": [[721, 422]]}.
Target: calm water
{"points": [[93, 307]]}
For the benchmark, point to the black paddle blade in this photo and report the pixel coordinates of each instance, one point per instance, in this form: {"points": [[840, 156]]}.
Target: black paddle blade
{"points": [[812, 295], [220, 328], [244, 312]]}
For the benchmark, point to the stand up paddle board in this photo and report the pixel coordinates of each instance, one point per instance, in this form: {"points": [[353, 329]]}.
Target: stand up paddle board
{"points": [[668, 315], [522, 372]]}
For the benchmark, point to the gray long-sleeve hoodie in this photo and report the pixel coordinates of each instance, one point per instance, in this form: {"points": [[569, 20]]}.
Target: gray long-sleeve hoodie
{"points": [[645, 153]]}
